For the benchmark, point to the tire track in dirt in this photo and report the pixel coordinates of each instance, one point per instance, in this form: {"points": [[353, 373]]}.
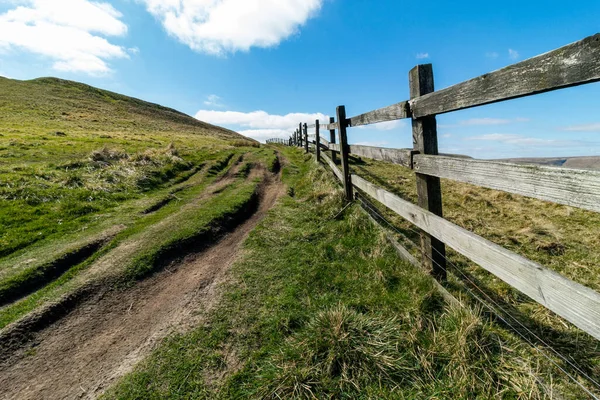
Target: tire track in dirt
{"points": [[105, 337]]}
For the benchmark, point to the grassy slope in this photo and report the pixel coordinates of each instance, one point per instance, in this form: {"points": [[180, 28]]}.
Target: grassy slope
{"points": [[70, 152], [84, 169], [323, 308], [562, 238]]}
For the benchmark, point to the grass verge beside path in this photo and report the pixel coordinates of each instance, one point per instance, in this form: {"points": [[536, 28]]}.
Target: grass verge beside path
{"points": [[562, 238], [151, 241], [322, 308]]}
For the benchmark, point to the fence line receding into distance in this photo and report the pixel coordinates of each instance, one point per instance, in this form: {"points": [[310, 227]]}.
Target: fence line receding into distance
{"points": [[572, 65]]}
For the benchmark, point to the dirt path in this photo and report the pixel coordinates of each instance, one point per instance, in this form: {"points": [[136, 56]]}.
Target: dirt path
{"points": [[83, 354]]}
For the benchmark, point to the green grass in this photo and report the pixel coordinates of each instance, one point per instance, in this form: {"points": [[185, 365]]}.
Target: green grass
{"points": [[562, 238], [322, 308], [81, 166], [70, 153], [149, 241]]}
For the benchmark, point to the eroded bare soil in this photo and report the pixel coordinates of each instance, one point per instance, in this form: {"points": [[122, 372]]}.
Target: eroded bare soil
{"points": [[84, 353]]}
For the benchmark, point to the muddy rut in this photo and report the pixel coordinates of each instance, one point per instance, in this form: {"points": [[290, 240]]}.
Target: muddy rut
{"points": [[105, 337]]}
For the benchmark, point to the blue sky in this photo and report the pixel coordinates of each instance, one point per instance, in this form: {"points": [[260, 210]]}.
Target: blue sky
{"points": [[261, 66]]}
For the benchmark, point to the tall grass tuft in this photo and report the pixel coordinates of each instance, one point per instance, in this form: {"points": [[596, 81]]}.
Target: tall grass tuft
{"points": [[345, 348]]}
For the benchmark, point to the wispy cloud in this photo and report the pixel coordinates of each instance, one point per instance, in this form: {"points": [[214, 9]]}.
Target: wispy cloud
{"points": [[69, 32], [374, 144], [227, 26], [212, 100], [492, 55], [421, 56], [259, 125], [594, 127], [514, 139], [384, 126], [264, 134], [484, 122], [513, 54]]}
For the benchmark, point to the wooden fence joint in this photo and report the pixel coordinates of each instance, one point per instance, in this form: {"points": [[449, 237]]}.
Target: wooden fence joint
{"points": [[344, 152], [428, 187], [413, 153]]}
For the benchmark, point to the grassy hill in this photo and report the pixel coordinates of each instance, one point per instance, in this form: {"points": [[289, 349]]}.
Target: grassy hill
{"points": [[321, 307], [83, 169], [583, 162], [68, 150], [98, 191]]}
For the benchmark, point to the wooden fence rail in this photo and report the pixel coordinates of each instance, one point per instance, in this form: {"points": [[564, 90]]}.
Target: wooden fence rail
{"points": [[574, 64]]}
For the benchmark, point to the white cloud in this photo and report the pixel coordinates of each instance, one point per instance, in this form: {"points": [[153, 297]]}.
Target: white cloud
{"points": [[258, 119], [484, 122], [66, 31], [492, 55], [421, 56], [384, 126], [374, 144], [225, 26], [510, 138], [213, 100], [583, 128], [260, 125], [264, 134], [513, 54]]}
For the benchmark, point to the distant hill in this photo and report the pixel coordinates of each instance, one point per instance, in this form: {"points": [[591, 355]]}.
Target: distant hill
{"points": [[76, 106], [589, 162]]}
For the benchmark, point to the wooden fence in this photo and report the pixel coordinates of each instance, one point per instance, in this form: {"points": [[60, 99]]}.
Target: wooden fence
{"points": [[287, 142], [572, 65]]}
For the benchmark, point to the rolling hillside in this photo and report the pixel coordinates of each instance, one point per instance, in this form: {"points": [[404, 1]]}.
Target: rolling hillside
{"points": [[83, 170], [145, 254], [63, 143]]}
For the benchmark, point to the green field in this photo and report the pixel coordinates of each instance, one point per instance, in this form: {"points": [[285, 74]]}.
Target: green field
{"points": [[321, 307], [83, 171], [99, 191]]}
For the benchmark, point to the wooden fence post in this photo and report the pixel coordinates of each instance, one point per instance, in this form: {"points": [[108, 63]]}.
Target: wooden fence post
{"points": [[344, 151], [318, 140], [428, 187], [300, 135], [305, 137], [332, 139]]}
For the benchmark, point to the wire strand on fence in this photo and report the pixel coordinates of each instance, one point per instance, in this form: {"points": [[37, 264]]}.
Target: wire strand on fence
{"points": [[373, 209]]}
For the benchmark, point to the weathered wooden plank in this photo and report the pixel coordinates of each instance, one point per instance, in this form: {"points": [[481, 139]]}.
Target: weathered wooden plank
{"points": [[571, 187], [390, 113], [571, 65], [305, 138], [332, 137], [334, 147], [405, 255], [318, 140], [324, 141], [574, 302], [311, 126], [395, 156], [429, 190], [334, 168], [344, 151], [332, 125]]}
